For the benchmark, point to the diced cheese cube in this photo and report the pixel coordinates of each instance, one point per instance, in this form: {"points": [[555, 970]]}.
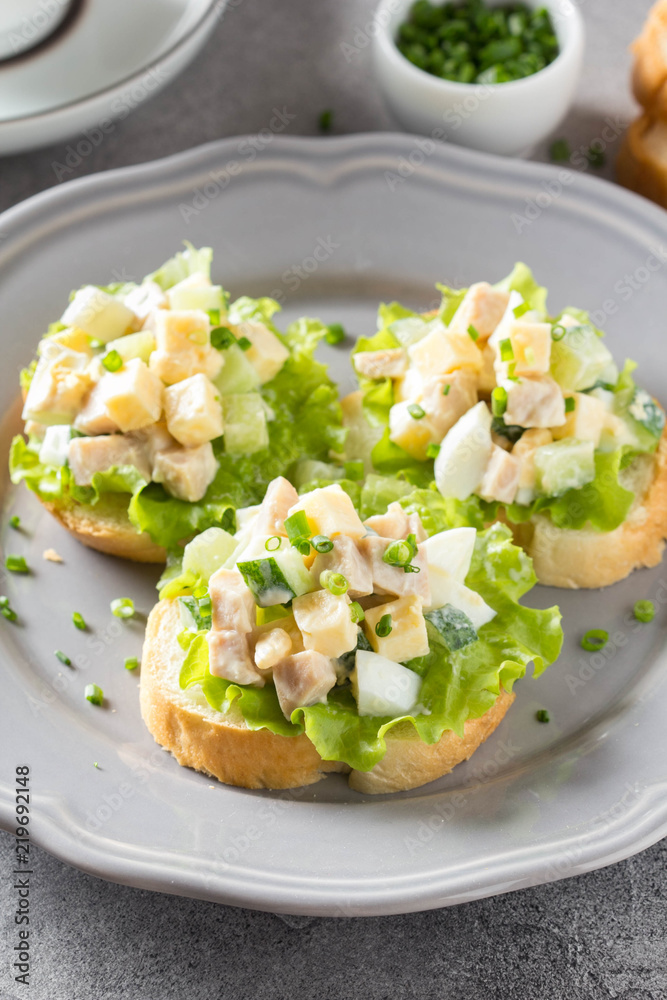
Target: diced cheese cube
{"points": [[446, 590], [99, 314], [193, 411], [534, 401], [272, 647], [382, 687], [387, 363], [58, 387], [183, 346], [501, 477], [443, 351], [388, 579], [451, 551], [412, 434], [267, 354], [446, 398], [55, 445], [408, 638], [482, 307], [330, 512], [586, 421], [325, 622], [346, 559], [232, 602], [531, 344], [186, 473], [464, 454], [303, 679], [133, 396], [229, 657], [72, 338], [88, 455]]}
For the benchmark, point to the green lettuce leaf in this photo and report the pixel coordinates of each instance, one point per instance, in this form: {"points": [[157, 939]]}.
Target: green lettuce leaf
{"points": [[182, 265], [521, 280], [451, 300]]}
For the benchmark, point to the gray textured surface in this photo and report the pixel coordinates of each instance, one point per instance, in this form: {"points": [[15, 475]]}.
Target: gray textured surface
{"points": [[600, 935]]}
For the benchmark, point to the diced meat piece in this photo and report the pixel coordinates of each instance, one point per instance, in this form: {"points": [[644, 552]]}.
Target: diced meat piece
{"points": [[232, 603], [486, 380], [271, 647], [155, 438], [408, 637], [193, 411], [183, 346], [345, 558], [413, 433], [279, 498], [482, 307], [410, 387], [303, 679], [267, 354], [447, 397], [389, 363], [501, 477], [35, 430], [396, 523], [88, 455], [133, 396], [325, 622], [186, 473], [330, 512], [58, 387], [442, 351], [94, 417], [229, 657], [534, 402], [586, 421], [524, 451], [531, 345], [389, 579]]}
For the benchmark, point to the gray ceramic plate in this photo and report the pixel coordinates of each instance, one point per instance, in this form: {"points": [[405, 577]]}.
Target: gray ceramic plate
{"points": [[331, 227]]}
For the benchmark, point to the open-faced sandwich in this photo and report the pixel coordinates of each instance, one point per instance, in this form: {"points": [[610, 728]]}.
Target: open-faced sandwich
{"points": [[519, 416], [312, 640], [153, 410]]}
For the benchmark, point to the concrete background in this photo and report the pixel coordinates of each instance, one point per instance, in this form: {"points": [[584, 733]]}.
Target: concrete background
{"points": [[599, 935]]}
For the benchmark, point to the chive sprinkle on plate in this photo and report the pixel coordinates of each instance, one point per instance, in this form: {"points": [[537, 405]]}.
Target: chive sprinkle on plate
{"points": [[470, 42]]}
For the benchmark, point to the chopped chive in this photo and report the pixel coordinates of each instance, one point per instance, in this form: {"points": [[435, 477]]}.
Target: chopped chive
{"points": [[354, 470], [322, 544], [594, 639], [112, 361], [498, 401], [296, 526], [542, 715], [335, 333], [95, 764], [506, 350], [63, 657], [570, 404], [94, 694], [222, 338], [644, 611], [131, 662], [95, 344], [416, 411], [356, 612], [558, 331], [446, 388], [244, 343], [4, 602], [335, 583], [273, 544], [214, 317], [8, 613], [401, 553], [15, 522], [325, 120], [432, 450], [521, 310], [122, 607], [384, 627], [302, 545], [559, 151], [596, 157], [79, 621], [473, 333], [16, 564], [204, 605]]}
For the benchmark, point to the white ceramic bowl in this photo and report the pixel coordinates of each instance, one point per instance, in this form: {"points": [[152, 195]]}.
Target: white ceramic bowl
{"points": [[505, 118]]}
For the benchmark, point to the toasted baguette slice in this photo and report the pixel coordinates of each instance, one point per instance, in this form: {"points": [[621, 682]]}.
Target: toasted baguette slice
{"points": [[642, 160], [223, 746], [588, 558], [106, 527], [649, 73]]}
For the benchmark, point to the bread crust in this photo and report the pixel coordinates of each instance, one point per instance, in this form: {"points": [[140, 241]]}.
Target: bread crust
{"points": [[587, 558], [223, 746], [637, 166], [107, 528]]}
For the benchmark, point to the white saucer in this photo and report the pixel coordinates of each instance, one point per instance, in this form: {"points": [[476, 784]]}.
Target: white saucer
{"points": [[70, 67]]}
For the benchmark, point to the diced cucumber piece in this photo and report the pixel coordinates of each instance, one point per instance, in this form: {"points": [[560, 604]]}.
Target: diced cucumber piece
{"points": [[564, 465], [55, 446], [383, 687], [134, 345], [244, 421], [453, 625], [191, 615], [309, 469], [279, 574], [646, 412], [579, 359], [293, 569], [196, 297], [409, 330], [237, 374], [208, 552], [99, 314]]}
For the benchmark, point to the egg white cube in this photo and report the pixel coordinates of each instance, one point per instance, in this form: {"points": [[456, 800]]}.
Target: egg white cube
{"points": [[451, 551], [382, 687], [464, 453]]}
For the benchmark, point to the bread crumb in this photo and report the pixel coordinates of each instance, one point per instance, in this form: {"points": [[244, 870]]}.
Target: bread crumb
{"points": [[52, 556]]}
